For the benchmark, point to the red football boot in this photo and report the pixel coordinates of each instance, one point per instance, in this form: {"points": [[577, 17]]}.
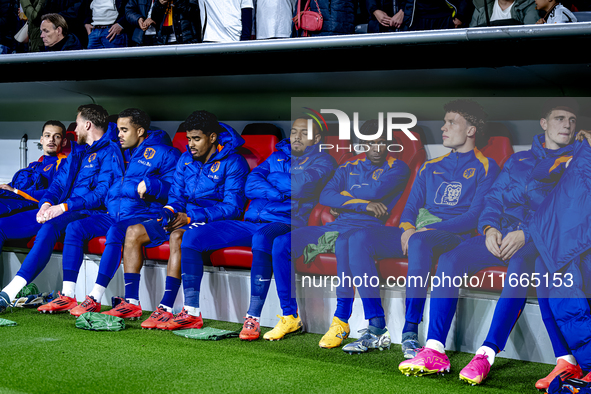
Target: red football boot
{"points": [[61, 304], [159, 317], [89, 305], [183, 321], [126, 310]]}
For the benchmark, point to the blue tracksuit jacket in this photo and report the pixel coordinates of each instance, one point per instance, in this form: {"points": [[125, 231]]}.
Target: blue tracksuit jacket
{"points": [[285, 188], [86, 176], [517, 193], [561, 228], [561, 231], [214, 190], [356, 184], [154, 162], [32, 182], [451, 187]]}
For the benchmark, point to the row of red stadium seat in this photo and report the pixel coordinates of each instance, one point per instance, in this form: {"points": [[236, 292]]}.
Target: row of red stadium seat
{"points": [[498, 148], [258, 147]]}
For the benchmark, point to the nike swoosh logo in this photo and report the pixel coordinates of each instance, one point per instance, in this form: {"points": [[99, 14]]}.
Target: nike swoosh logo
{"points": [[280, 159], [264, 280], [525, 158], [438, 173], [128, 283], [351, 173]]}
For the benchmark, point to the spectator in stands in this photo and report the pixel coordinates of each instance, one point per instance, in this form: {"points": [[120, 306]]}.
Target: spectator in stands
{"points": [[442, 211], [383, 17], [77, 191], [338, 15], [105, 22], [506, 227], [429, 15], [363, 192], [226, 21], [29, 184], [504, 12], [70, 11], [33, 12], [8, 19], [177, 22], [55, 36], [139, 16], [274, 18], [142, 176], [555, 12], [208, 186], [283, 190]]}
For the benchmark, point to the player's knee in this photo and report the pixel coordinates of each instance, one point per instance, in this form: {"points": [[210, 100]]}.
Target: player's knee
{"points": [[176, 238], [134, 234]]}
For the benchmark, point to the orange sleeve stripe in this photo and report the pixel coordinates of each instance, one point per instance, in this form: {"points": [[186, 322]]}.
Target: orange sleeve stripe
{"points": [[357, 201], [25, 195]]}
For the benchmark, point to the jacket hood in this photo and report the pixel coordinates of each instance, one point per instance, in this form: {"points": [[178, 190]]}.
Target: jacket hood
{"points": [[284, 146], [541, 152], [229, 141], [111, 135], [157, 137]]}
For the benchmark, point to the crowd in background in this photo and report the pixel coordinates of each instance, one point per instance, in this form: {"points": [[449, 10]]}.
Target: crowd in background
{"points": [[56, 25]]}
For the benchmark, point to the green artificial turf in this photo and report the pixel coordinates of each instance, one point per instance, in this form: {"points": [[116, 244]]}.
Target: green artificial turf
{"points": [[47, 354]]}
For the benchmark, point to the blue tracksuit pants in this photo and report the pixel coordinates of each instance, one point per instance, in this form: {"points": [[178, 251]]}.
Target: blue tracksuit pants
{"points": [[288, 248], [223, 234], [24, 225], [470, 257], [78, 233]]}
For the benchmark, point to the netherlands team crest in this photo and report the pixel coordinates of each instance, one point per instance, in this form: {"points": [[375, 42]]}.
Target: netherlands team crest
{"points": [[149, 153], [376, 174], [469, 173], [215, 166], [47, 168], [91, 157]]}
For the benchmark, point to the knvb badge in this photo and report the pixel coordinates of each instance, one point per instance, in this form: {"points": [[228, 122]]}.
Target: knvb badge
{"points": [[344, 123]]}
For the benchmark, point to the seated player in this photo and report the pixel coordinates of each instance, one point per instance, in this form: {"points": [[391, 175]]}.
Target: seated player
{"points": [[560, 231], [29, 184], [283, 190], [442, 210], [208, 185], [364, 192], [505, 222], [77, 191], [142, 176]]}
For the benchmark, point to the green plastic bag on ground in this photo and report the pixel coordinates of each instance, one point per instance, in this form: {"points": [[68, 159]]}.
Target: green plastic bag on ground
{"points": [[207, 333], [7, 323], [98, 322], [28, 290]]}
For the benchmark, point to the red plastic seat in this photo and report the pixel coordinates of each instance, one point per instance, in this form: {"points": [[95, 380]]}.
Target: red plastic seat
{"points": [[414, 155], [256, 149], [499, 149]]}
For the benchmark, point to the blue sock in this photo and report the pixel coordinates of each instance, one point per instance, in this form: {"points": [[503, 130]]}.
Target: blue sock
{"points": [[70, 276], [192, 269], [378, 322], [132, 286], [170, 291], [410, 327], [260, 281]]}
